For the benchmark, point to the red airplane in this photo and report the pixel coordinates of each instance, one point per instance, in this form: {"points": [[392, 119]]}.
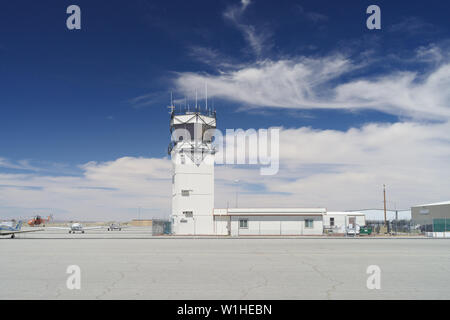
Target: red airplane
{"points": [[36, 221]]}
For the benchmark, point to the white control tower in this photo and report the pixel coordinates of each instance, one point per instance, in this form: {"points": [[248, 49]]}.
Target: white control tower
{"points": [[192, 156]]}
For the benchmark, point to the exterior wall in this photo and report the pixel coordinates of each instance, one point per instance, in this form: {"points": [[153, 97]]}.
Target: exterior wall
{"points": [[222, 225], [342, 220], [199, 181], [276, 225], [339, 220], [425, 214]]}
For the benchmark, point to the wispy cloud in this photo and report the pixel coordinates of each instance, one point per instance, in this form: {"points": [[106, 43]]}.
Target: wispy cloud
{"points": [[18, 165], [212, 57], [257, 38], [311, 16], [146, 100], [327, 83], [413, 26]]}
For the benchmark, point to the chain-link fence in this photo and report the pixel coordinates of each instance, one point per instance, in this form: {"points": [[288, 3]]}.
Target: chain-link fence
{"points": [[436, 227], [161, 227]]}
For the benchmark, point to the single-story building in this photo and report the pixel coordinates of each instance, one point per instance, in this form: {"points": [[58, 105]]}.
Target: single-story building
{"points": [[269, 221], [338, 222]]}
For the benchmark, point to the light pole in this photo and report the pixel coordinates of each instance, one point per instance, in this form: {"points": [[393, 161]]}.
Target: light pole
{"points": [[384, 195]]}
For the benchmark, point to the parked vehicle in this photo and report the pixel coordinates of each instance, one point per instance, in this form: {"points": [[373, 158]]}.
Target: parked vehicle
{"points": [[353, 230]]}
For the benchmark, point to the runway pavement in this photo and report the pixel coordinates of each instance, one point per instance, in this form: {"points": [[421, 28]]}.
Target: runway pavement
{"points": [[131, 264]]}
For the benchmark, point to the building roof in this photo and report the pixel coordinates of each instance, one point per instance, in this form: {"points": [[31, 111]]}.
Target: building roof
{"points": [[270, 211], [433, 204], [345, 213]]}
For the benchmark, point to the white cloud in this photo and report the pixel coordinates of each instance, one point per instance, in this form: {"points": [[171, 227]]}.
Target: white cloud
{"points": [[403, 94], [108, 190], [316, 83], [284, 83], [334, 169], [346, 170]]}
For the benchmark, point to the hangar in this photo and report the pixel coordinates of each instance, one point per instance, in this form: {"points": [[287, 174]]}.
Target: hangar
{"points": [[426, 213], [434, 218]]}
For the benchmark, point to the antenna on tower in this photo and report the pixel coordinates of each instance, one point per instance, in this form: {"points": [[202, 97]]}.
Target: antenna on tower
{"points": [[171, 107], [196, 107], [206, 96]]}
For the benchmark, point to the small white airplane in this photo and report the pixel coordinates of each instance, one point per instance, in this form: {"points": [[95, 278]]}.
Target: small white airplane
{"points": [[115, 226], [7, 229], [76, 227]]}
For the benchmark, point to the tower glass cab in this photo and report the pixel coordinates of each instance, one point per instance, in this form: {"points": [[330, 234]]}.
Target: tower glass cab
{"points": [[192, 155]]}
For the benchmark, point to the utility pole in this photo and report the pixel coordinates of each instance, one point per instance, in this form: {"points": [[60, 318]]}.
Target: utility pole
{"points": [[384, 195], [396, 220]]}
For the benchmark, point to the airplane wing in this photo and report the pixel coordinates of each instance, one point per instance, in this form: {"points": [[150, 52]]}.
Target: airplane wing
{"points": [[91, 228], [9, 232], [60, 228]]}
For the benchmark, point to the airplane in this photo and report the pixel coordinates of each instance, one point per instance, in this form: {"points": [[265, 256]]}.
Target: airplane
{"points": [[115, 226], [76, 227], [8, 229], [37, 220]]}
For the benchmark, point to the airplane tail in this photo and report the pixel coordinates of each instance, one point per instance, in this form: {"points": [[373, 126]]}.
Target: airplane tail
{"points": [[18, 225]]}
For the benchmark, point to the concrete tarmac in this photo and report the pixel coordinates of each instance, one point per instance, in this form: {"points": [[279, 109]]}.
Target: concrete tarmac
{"points": [[131, 264]]}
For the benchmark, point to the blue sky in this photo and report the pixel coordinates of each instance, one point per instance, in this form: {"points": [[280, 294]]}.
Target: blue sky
{"points": [[99, 94]]}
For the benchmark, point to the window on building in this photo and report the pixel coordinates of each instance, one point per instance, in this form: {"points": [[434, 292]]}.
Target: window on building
{"points": [[309, 223], [182, 158], [188, 214], [243, 224], [185, 193], [331, 222]]}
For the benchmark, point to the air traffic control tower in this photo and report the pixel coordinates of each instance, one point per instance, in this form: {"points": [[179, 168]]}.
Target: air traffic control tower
{"points": [[192, 154]]}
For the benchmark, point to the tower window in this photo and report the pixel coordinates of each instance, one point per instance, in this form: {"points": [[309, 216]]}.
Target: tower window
{"points": [[188, 214], [185, 193]]}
